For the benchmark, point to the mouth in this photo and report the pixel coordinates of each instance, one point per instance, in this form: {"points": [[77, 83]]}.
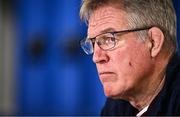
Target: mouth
{"points": [[107, 76], [105, 73]]}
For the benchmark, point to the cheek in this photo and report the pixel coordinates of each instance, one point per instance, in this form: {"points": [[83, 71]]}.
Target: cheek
{"points": [[140, 59], [138, 54], [122, 62], [131, 64], [120, 65]]}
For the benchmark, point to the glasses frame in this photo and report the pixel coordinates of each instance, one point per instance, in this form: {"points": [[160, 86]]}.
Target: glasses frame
{"points": [[93, 40]]}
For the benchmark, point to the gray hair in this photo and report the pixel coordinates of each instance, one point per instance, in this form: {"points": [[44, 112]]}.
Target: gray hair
{"points": [[142, 13]]}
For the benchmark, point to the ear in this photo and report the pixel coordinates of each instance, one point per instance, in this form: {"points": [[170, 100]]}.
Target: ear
{"points": [[157, 39]]}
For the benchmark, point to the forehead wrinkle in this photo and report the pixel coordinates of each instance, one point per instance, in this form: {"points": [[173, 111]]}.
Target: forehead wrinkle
{"points": [[102, 24], [107, 23], [105, 13], [105, 17], [102, 31], [96, 21]]}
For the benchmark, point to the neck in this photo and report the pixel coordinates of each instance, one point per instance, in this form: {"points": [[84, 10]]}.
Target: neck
{"points": [[150, 88], [147, 98]]}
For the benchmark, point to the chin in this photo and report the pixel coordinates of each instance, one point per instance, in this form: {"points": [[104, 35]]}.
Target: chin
{"points": [[111, 90], [110, 94]]}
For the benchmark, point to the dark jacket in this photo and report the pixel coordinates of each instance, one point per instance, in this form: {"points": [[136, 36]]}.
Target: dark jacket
{"points": [[167, 102]]}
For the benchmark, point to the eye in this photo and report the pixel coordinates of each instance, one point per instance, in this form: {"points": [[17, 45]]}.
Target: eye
{"points": [[106, 40], [109, 40], [103, 41]]}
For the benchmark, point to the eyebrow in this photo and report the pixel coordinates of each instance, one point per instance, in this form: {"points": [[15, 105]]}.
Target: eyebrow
{"points": [[107, 30]]}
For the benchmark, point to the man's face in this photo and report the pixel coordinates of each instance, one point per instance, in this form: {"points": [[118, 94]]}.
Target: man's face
{"points": [[124, 70]]}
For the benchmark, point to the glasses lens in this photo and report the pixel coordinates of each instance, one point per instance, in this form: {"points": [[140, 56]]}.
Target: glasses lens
{"points": [[87, 46], [106, 41]]}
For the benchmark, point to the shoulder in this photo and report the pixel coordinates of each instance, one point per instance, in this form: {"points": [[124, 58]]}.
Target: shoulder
{"points": [[167, 102], [173, 85], [173, 73], [110, 107]]}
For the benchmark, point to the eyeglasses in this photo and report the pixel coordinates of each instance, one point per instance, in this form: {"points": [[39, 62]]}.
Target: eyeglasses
{"points": [[106, 41]]}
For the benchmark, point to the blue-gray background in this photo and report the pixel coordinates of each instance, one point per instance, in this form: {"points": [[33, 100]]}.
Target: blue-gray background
{"points": [[53, 76]]}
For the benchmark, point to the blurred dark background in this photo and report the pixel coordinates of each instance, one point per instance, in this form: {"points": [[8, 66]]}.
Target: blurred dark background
{"points": [[43, 71]]}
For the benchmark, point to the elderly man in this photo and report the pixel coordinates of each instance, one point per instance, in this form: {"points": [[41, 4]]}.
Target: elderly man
{"points": [[134, 47]]}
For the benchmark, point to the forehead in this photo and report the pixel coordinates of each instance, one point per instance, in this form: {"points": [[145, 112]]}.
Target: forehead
{"points": [[106, 17]]}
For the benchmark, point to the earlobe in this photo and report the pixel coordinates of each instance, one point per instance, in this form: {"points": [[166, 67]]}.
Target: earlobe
{"points": [[157, 40]]}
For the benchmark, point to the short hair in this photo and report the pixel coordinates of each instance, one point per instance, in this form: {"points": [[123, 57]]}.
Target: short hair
{"points": [[142, 13]]}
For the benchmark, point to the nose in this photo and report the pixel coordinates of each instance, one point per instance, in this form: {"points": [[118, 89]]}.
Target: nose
{"points": [[99, 55]]}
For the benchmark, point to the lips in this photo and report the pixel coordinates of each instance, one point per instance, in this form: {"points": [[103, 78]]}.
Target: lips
{"points": [[105, 73], [107, 76]]}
